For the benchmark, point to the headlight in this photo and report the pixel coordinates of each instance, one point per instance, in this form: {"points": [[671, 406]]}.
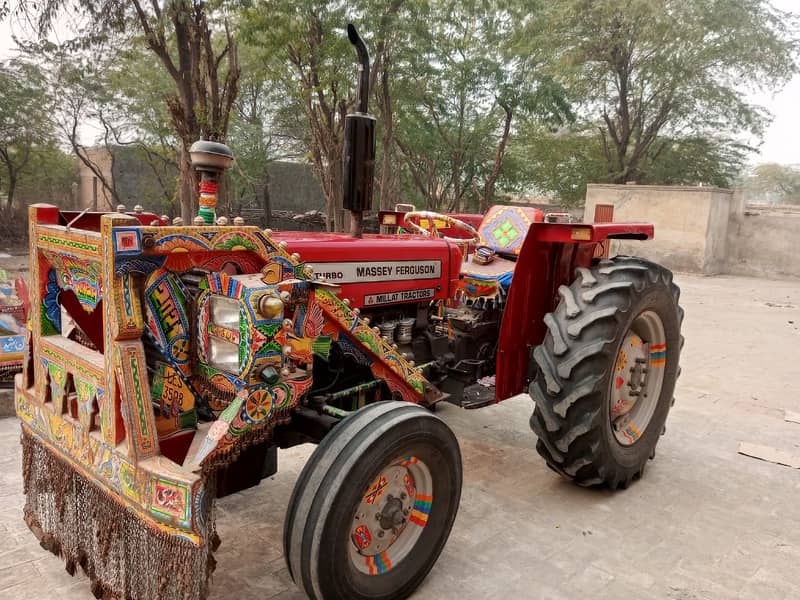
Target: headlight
{"points": [[223, 338], [224, 311]]}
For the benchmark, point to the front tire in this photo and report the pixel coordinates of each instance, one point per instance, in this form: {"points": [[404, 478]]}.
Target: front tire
{"points": [[606, 372], [374, 505]]}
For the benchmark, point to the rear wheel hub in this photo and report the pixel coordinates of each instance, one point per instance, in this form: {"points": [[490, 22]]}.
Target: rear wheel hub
{"points": [[638, 377]]}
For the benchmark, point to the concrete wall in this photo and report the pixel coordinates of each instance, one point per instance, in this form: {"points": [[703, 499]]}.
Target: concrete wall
{"points": [[705, 230], [691, 223], [764, 241]]}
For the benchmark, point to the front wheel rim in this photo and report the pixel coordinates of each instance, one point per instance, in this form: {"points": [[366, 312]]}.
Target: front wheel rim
{"points": [[391, 515], [636, 384]]}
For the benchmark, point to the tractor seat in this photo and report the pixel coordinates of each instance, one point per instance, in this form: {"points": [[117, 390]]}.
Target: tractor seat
{"points": [[503, 229]]}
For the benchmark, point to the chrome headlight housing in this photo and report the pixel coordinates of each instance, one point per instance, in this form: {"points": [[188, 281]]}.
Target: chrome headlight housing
{"points": [[224, 323]]}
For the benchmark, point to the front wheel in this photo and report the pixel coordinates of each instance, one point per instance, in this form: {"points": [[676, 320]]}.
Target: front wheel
{"points": [[374, 505], [607, 371]]}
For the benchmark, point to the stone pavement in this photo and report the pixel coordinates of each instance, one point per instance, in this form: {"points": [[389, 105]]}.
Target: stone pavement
{"points": [[704, 523]]}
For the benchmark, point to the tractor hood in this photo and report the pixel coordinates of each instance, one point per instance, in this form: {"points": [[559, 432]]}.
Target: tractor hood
{"points": [[378, 270]]}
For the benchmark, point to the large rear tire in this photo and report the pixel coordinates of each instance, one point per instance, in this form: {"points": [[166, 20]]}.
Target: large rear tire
{"points": [[606, 372], [374, 505]]}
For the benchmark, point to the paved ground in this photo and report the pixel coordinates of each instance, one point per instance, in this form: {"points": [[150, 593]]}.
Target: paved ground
{"points": [[705, 522]]}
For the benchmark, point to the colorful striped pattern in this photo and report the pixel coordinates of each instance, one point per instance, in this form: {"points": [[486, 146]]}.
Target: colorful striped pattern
{"points": [[378, 564], [631, 433], [422, 507], [658, 355], [408, 460], [222, 283]]}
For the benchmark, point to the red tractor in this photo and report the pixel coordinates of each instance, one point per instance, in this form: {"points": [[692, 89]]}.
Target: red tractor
{"points": [[486, 307], [493, 305], [169, 362]]}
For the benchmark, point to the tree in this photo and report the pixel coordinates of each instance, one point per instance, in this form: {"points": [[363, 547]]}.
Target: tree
{"points": [[309, 59], [200, 58], [24, 122], [696, 160], [463, 86], [650, 72], [50, 176], [259, 134], [560, 164], [79, 82], [557, 164], [447, 89], [778, 183]]}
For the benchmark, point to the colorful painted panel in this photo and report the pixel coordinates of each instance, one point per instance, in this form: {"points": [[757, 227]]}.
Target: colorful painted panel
{"points": [[50, 308], [127, 240], [175, 399], [504, 227], [386, 362], [167, 495], [169, 499], [79, 275], [84, 244], [168, 324], [248, 415], [135, 393]]}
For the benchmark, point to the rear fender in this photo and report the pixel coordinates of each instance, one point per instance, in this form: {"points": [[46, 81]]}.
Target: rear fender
{"points": [[548, 259]]}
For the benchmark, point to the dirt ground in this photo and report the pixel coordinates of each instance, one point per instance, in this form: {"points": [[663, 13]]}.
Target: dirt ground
{"points": [[704, 523]]}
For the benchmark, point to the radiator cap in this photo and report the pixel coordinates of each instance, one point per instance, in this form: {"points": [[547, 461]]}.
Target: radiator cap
{"points": [[210, 156]]}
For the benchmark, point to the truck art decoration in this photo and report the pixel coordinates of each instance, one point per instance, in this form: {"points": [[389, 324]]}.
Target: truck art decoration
{"points": [[13, 315], [167, 363]]}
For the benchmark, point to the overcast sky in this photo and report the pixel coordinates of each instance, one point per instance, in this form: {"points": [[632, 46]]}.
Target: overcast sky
{"points": [[781, 139]]}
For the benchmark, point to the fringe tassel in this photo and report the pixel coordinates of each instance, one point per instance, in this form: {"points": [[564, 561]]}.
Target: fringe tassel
{"points": [[124, 557], [258, 435]]}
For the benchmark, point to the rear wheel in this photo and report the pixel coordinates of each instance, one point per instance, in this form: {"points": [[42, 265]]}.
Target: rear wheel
{"points": [[607, 371], [374, 505]]}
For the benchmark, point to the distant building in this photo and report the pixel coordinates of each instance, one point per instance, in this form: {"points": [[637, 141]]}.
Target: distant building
{"points": [[135, 177], [294, 187], [291, 186], [91, 192]]}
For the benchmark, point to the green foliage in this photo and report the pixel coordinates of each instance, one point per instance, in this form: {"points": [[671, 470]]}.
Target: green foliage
{"points": [[462, 85], [774, 183], [697, 160], [310, 63], [258, 134], [449, 84], [556, 164], [50, 176], [24, 120], [643, 69], [474, 98], [138, 92]]}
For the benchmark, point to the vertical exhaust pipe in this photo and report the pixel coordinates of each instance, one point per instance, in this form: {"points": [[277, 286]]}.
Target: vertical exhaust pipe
{"points": [[358, 161]]}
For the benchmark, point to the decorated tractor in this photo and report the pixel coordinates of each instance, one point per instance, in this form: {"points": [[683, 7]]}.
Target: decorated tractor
{"points": [[168, 362], [13, 315]]}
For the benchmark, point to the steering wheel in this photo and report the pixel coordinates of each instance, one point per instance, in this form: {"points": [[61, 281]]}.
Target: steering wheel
{"points": [[452, 222]]}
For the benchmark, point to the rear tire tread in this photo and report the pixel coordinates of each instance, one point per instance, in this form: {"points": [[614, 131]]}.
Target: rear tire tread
{"points": [[572, 384]]}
